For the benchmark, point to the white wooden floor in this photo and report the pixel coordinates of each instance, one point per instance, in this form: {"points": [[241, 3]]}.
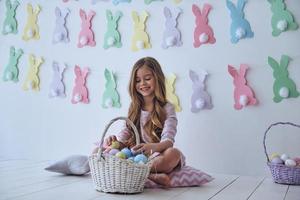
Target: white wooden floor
{"points": [[27, 180]]}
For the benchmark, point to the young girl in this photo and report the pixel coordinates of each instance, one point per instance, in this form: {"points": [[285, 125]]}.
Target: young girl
{"points": [[155, 119]]}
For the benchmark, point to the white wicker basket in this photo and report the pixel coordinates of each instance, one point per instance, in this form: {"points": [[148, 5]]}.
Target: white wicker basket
{"points": [[116, 175]]}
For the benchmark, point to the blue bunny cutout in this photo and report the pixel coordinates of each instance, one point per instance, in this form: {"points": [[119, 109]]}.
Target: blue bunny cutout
{"points": [[240, 27]]}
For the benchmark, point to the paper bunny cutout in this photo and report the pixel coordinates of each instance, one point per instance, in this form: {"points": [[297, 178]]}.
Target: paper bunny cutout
{"points": [[61, 32], [283, 86], [240, 27], [11, 71], [31, 30], [112, 36], [200, 98], [116, 2], [282, 19], [150, 1], [57, 87], [110, 96], [86, 35], [140, 39], [172, 35], [80, 91], [32, 80], [170, 92], [203, 33], [10, 22], [243, 94]]}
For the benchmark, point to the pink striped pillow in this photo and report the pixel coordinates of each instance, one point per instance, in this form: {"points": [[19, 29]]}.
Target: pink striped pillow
{"points": [[185, 177]]}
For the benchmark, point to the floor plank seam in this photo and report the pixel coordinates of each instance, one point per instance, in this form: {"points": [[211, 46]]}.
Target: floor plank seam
{"points": [[258, 185], [286, 192], [224, 187], [180, 193]]}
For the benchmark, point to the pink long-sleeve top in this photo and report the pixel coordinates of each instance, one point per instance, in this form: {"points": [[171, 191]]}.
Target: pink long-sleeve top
{"points": [[168, 132]]}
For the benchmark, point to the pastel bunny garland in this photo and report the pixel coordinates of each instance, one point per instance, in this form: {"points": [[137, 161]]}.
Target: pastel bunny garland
{"points": [[86, 35], [32, 80], [80, 91], [172, 35], [11, 71], [140, 38], [283, 86], [10, 22], [112, 36], [240, 27], [57, 87], [200, 98], [110, 97], [243, 94], [282, 19], [203, 33], [31, 30], [116, 2], [60, 33]]}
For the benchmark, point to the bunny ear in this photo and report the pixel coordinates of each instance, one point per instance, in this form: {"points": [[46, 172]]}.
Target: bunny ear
{"points": [[206, 9], [12, 51], [107, 75], [57, 12], [8, 4], [193, 76], [85, 71], [91, 15], [144, 16], [243, 69], [82, 14], [66, 11], [118, 15], [230, 6], [77, 70], [29, 8], [55, 66], [202, 75], [135, 17], [167, 12], [241, 5], [108, 15], [273, 63], [232, 71], [196, 10], [284, 61]]}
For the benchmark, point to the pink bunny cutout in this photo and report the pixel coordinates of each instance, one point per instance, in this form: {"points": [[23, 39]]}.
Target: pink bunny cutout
{"points": [[86, 35], [203, 33], [243, 94], [80, 91]]}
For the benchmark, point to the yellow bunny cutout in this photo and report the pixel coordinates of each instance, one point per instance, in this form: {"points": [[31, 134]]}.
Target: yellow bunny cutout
{"points": [[140, 39], [32, 80], [170, 92], [31, 30]]}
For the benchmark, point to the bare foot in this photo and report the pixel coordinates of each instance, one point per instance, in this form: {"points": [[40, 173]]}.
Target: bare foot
{"points": [[161, 178]]}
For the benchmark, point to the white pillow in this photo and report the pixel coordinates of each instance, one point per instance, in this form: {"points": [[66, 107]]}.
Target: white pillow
{"points": [[72, 165]]}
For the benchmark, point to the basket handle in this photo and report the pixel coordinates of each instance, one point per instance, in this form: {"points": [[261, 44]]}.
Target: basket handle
{"points": [[275, 124], [136, 133]]}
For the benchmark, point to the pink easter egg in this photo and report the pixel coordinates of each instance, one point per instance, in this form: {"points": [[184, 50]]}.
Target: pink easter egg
{"points": [[113, 151]]}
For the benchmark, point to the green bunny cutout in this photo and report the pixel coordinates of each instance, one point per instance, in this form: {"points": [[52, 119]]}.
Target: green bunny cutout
{"points": [[10, 22], [11, 71], [282, 19], [283, 86], [110, 96], [112, 36]]}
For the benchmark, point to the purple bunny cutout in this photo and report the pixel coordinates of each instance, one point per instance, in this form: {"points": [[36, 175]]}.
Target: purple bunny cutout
{"points": [[200, 97], [172, 35], [80, 91], [61, 32], [86, 35], [57, 87]]}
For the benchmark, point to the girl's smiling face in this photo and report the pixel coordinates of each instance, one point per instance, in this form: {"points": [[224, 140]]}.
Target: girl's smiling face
{"points": [[145, 82]]}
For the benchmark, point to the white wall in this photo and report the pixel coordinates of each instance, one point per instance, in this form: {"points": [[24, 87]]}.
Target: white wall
{"points": [[219, 140]]}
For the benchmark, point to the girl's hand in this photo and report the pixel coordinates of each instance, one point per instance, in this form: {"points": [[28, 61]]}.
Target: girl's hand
{"points": [[146, 149], [109, 140]]}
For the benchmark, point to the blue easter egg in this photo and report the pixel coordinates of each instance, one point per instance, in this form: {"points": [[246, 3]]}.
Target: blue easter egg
{"points": [[127, 152], [140, 158]]}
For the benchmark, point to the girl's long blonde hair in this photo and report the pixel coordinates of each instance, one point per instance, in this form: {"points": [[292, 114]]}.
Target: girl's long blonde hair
{"points": [[153, 127]]}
